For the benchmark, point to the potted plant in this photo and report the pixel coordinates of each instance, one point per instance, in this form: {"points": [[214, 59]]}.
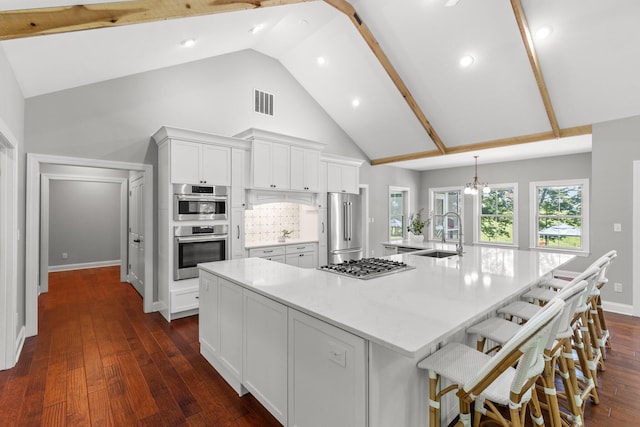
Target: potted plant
{"points": [[416, 226], [284, 234]]}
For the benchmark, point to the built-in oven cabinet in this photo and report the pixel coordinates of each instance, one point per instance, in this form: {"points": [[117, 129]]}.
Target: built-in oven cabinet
{"points": [[198, 163]]}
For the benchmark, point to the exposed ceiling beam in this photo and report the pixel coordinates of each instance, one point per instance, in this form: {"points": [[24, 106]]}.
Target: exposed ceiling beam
{"points": [[346, 8], [505, 142], [53, 20], [525, 33]]}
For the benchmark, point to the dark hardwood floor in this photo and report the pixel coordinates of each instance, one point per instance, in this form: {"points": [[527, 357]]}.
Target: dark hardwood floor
{"points": [[99, 361]]}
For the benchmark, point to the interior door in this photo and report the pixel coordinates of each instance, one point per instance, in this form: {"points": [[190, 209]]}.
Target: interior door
{"points": [[136, 235]]}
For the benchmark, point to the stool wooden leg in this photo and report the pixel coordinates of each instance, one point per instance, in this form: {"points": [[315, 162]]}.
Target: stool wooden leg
{"points": [[548, 384], [536, 412], [580, 347], [434, 400], [567, 372], [603, 322]]}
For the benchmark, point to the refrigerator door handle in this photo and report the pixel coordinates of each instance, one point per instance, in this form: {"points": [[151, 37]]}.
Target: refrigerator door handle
{"points": [[350, 220], [345, 219]]}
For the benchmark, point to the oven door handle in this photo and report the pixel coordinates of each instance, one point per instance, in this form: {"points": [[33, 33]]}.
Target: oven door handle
{"points": [[191, 239], [205, 198]]}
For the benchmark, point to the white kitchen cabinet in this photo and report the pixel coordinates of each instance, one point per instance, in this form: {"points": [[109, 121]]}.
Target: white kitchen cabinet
{"points": [[198, 163], [265, 353], [327, 374], [239, 178], [302, 255], [390, 250], [267, 252], [342, 178], [305, 169], [208, 325], [270, 165], [322, 237], [231, 327], [236, 233]]}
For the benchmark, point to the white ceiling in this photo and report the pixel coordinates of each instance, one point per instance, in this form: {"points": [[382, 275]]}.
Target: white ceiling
{"points": [[589, 63]]}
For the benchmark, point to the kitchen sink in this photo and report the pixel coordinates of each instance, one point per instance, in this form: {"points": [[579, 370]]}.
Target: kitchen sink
{"points": [[437, 254]]}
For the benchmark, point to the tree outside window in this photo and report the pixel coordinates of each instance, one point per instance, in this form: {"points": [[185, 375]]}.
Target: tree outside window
{"points": [[497, 215]]}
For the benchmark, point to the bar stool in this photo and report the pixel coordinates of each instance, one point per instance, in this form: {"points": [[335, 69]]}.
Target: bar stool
{"points": [[602, 336], [557, 350], [492, 380]]}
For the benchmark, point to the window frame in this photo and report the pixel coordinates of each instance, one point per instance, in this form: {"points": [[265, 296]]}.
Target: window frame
{"points": [[533, 214], [432, 214], [406, 196], [477, 215]]}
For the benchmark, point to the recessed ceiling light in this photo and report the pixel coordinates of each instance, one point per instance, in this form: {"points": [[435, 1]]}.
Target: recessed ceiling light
{"points": [[355, 103], [321, 60], [466, 61], [188, 42], [450, 3], [256, 29], [543, 32]]}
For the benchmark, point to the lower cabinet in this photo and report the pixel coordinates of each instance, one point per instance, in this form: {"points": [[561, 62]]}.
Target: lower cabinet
{"points": [[265, 353], [327, 374], [306, 372], [231, 328]]}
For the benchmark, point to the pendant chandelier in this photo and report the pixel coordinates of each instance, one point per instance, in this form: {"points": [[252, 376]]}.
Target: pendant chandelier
{"points": [[472, 187]]}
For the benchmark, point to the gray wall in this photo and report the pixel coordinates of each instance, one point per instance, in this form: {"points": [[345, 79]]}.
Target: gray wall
{"points": [[522, 172], [616, 145], [84, 222]]}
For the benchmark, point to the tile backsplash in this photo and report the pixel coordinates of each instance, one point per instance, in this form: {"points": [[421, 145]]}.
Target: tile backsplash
{"points": [[264, 223]]}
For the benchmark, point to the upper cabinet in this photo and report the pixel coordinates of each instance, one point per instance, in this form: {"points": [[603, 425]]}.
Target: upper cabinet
{"points": [[281, 162], [197, 163], [270, 165], [343, 174], [305, 169]]}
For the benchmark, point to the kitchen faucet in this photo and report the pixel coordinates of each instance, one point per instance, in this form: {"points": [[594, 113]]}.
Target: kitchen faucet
{"points": [[459, 244]]}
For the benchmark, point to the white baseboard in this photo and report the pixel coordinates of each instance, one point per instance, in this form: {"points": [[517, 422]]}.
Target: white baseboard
{"points": [[616, 307], [20, 342], [82, 266]]}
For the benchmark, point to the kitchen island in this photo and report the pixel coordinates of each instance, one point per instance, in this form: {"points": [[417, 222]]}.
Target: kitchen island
{"points": [[321, 349]]}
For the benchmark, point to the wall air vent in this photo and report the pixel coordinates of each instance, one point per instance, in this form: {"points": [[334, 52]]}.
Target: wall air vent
{"points": [[263, 102]]}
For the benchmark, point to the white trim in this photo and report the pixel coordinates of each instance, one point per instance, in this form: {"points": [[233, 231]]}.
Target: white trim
{"points": [[33, 226], [83, 265], [432, 214], [616, 307], [19, 344], [9, 236], [533, 214], [635, 254], [476, 216], [406, 204]]}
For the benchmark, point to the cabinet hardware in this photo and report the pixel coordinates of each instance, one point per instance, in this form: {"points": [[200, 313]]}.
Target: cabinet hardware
{"points": [[268, 252], [197, 297], [322, 227], [136, 240], [238, 231]]}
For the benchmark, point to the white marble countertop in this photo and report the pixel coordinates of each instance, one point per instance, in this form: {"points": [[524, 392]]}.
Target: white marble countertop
{"points": [[276, 243], [406, 311]]}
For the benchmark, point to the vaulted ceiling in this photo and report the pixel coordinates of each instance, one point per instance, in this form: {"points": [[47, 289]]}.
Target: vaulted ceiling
{"points": [[418, 107]]}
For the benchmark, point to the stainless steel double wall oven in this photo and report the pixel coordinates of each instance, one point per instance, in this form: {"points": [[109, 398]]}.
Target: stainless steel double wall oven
{"points": [[205, 238]]}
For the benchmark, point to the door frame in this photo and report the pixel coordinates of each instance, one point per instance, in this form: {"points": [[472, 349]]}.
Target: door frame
{"points": [[635, 253], [133, 177], [11, 340], [44, 220], [32, 259]]}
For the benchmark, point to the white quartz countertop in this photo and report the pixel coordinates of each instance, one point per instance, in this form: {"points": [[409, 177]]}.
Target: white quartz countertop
{"points": [[420, 245], [276, 243], [406, 311]]}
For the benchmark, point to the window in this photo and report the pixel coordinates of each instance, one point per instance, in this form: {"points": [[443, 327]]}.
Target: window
{"points": [[496, 215], [560, 215], [398, 206], [445, 200]]}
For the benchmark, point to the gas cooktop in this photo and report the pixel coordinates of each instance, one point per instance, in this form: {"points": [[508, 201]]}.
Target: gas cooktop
{"points": [[367, 268]]}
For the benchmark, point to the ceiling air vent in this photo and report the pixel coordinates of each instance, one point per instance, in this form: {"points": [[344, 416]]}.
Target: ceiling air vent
{"points": [[263, 102]]}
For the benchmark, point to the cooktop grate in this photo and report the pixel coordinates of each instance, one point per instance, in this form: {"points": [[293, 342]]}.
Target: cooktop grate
{"points": [[367, 268]]}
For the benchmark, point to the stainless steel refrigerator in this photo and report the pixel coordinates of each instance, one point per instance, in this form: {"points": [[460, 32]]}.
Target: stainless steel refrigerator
{"points": [[344, 227]]}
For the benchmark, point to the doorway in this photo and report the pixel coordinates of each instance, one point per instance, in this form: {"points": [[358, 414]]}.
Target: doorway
{"points": [[33, 206], [136, 236]]}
